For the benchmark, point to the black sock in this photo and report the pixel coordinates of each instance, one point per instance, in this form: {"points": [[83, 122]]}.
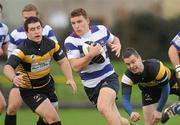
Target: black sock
{"points": [[10, 119], [41, 122], [56, 123]]}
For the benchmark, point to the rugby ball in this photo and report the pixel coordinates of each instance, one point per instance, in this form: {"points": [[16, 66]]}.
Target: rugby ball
{"points": [[97, 59]]}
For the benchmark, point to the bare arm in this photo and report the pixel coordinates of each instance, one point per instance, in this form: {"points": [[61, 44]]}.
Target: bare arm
{"points": [[66, 69], [79, 63], [115, 46], [9, 72], [173, 55]]}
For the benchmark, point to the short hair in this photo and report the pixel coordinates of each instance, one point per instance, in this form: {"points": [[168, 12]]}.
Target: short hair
{"points": [[127, 52], [30, 7], [1, 7], [31, 20], [79, 12]]}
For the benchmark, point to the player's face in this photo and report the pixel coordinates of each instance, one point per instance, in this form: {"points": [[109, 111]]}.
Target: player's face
{"points": [[34, 32], [27, 14], [134, 64], [80, 25]]}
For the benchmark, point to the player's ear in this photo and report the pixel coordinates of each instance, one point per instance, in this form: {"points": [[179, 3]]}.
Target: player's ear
{"points": [[140, 58], [88, 20]]}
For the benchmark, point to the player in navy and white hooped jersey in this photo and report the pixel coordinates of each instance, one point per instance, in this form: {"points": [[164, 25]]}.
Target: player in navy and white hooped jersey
{"points": [[93, 73], [176, 41], [99, 79], [4, 38], [173, 53]]}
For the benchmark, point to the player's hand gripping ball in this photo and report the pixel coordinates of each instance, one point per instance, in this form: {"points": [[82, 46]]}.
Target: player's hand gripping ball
{"points": [[97, 59]]}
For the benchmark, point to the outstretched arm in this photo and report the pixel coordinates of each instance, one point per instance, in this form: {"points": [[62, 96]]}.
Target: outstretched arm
{"points": [[126, 97], [67, 71], [162, 101]]}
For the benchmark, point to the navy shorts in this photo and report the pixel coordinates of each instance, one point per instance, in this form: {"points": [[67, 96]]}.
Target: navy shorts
{"points": [[110, 82]]}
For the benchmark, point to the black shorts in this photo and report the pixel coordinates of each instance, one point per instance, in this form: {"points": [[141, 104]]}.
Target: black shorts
{"points": [[110, 82], [34, 97], [174, 87], [150, 95]]}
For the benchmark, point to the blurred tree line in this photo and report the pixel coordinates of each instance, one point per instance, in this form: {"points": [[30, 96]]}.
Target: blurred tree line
{"points": [[149, 34]]}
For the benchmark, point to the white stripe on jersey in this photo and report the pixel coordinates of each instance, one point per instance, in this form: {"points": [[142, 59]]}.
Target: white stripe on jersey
{"points": [[93, 82], [176, 41], [73, 45], [126, 80], [4, 36]]}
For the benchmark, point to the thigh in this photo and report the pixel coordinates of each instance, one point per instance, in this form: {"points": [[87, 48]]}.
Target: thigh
{"points": [[107, 96], [150, 96], [110, 82], [32, 98], [2, 100], [148, 113], [109, 90], [49, 112], [14, 98]]}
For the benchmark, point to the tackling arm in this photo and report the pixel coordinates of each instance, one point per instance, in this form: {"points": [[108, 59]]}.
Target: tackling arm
{"points": [[164, 96], [126, 97], [66, 69]]}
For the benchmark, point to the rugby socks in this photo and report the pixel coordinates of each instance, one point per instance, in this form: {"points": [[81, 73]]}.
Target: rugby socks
{"points": [[177, 109], [10, 119], [56, 123], [41, 122]]}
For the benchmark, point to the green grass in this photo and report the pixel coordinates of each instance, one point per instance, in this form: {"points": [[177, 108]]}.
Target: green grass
{"points": [[78, 116], [64, 92], [75, 117]]}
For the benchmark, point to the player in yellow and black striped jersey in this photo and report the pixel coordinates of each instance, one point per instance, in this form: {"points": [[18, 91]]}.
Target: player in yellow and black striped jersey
{"points": [[32, 63], [154, 80]]}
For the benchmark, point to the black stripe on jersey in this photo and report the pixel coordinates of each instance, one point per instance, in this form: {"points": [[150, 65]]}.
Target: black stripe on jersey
{"points": [[153, 74], [34, 59], [13, 61]]}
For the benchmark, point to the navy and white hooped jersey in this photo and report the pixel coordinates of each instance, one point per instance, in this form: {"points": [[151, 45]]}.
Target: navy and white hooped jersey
{"points": [[4, 36], [19, 34], [176, 41], [92, 74]]}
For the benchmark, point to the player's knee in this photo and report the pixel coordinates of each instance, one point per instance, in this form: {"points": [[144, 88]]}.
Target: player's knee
{"points": [[125, 121], [103, 108], [2, 106], [13, 108], [51, 118]]}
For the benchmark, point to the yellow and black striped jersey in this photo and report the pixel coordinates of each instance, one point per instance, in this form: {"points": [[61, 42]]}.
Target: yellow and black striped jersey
{"points": [[33, 60], [154, 74]]}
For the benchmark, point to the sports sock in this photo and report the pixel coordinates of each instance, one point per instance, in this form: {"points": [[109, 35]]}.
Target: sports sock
{"points": [[10, 119], [56, 123], [41, 122], [177, 109]]}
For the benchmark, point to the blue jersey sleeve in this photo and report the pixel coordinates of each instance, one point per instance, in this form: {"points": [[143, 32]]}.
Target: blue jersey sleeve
{"points": [[126, 97], [164, 96]]}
